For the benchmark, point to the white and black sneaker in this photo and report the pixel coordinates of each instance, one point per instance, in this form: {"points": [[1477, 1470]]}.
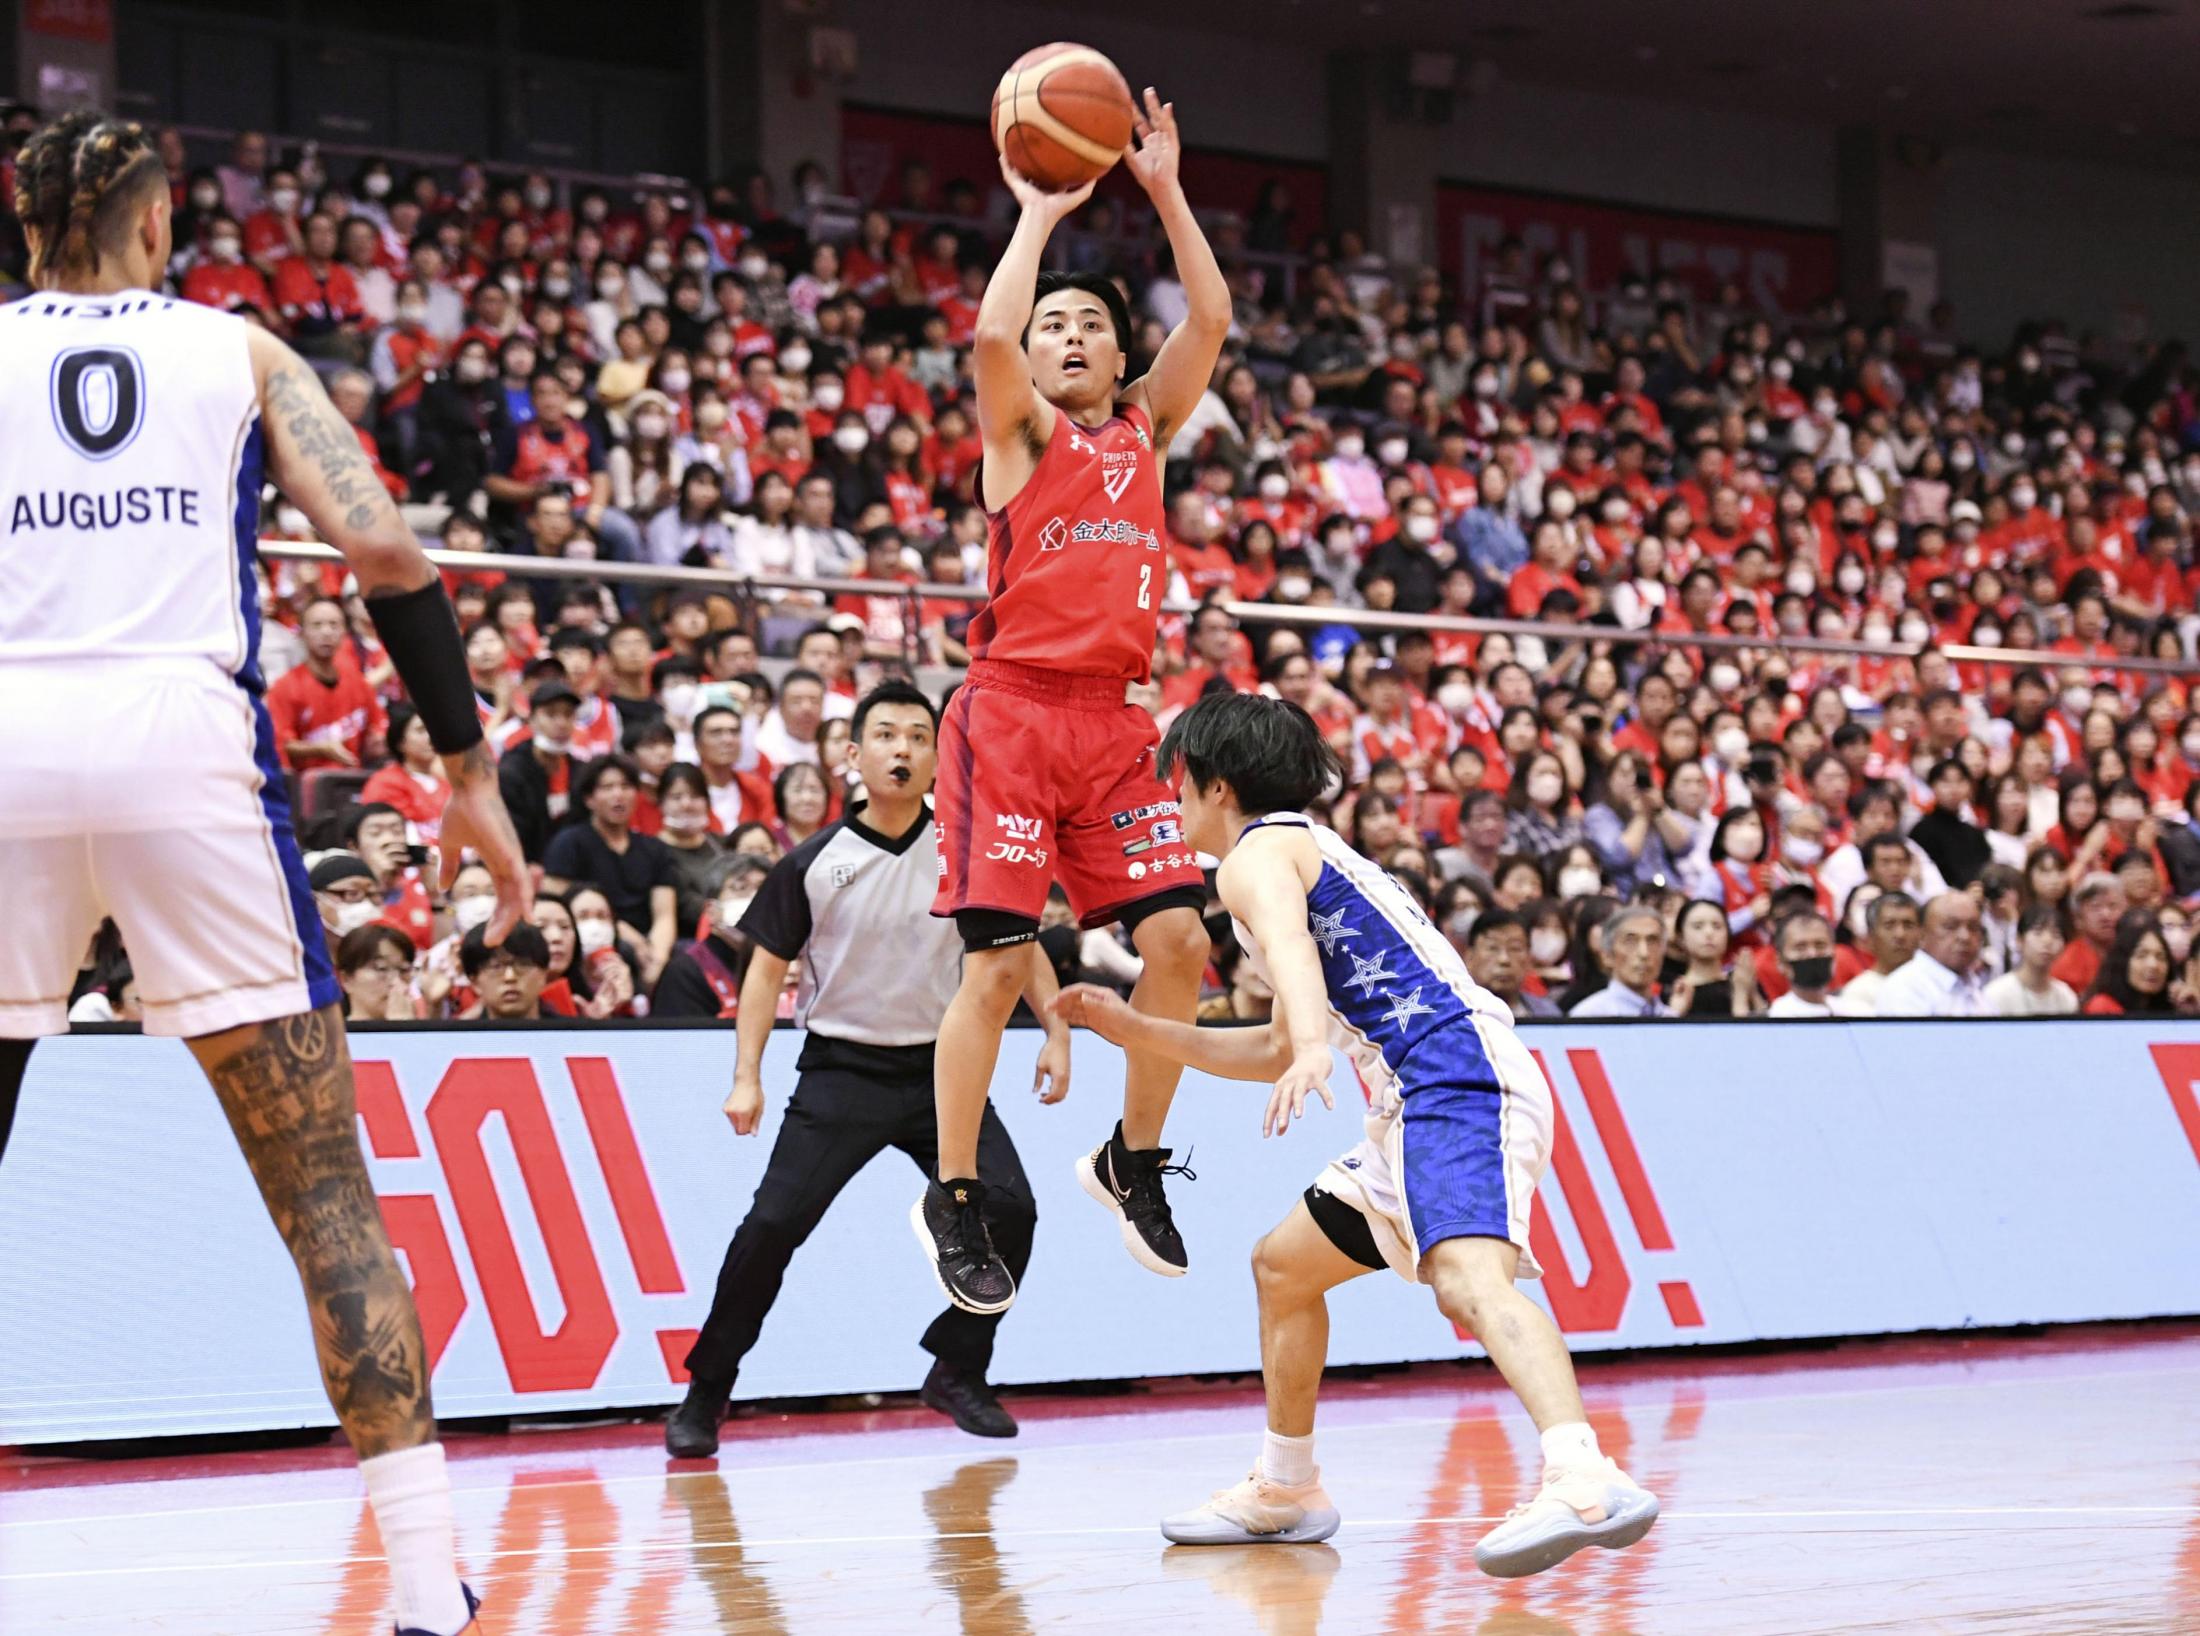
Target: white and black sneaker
{"points": [[1128, 1182], [949, 1221]]}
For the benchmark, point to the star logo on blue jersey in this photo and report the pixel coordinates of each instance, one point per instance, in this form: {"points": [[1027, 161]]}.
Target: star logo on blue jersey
{"points": [[1329, 931], [1405, 1007], [1367, 973]]}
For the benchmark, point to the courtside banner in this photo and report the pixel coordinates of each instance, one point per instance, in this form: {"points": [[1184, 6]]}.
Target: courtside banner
{"points": [[562, 1199]]}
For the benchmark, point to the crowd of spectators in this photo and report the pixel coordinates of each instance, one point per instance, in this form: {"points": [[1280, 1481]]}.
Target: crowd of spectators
{"points": [[1608, 817]]}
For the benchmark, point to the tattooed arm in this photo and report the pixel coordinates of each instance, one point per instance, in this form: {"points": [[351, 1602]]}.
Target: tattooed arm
{"points": [[287, 1090], [313, 454]]}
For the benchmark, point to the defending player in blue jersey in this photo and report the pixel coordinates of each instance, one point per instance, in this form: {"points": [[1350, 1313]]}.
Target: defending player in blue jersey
{"points": [[1458, 1133]]}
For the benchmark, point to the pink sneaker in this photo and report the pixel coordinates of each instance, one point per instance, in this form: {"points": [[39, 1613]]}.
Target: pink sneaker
{"points": [[1594, 1505], [1258, 1511]]}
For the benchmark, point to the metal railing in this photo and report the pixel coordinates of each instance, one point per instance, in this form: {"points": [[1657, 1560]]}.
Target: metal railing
{"points": [[747, 591]]}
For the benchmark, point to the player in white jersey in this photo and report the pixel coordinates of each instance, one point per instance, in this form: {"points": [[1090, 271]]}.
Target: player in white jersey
{"points": [[140, 779], [1458, 1134]]}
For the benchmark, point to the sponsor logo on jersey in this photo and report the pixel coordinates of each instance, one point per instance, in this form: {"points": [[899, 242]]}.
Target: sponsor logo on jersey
{"points": [[1019, 827], [1138, 871], [1016, 852], [1112, 531], [1054, 536], [1167, 831], [843, 873], [1077, 441], [1159, 809]]}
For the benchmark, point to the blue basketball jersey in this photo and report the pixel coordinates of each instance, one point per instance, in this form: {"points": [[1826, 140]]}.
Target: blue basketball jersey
{"points": [[1401, 1004]]}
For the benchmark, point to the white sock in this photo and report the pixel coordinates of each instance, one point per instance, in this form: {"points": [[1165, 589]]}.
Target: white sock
{"points": [[411, 1496], [1288, 1459], [1570, 1447]]}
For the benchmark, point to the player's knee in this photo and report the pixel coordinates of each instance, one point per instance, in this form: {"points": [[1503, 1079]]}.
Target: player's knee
{"points": [[1173, 943], [1465, 1299], [1273, 1275], [996, 977]]}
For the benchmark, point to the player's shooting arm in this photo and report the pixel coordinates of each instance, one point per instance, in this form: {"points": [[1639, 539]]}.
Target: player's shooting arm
{"points": [[1185, 365], [1012, 418]]}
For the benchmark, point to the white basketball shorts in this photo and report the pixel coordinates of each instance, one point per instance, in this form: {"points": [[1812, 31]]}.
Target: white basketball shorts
{"points": [[150, 791]]}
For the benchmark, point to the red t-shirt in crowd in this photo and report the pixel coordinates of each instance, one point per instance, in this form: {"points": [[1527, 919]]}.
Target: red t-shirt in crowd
{"points": [[306, 709], [213, 284]]}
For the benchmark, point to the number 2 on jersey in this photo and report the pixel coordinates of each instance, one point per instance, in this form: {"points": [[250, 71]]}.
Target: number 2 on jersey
{"points": [[1145, 585]]}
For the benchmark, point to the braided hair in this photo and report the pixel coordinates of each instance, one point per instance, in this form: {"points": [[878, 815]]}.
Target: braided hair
{"points": [[73, 182]]}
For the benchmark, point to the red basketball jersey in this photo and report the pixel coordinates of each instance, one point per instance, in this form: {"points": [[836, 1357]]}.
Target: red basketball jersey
{"points": [[1074, 566]]}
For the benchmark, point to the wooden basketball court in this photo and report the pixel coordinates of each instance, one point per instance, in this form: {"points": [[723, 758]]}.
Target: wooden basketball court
{"points": [[1998, 1487]]}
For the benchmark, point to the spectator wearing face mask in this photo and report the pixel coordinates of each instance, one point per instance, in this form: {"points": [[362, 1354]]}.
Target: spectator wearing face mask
{"points": [[224, 279], [346, 894], [1407, 560], [1804, 942]]}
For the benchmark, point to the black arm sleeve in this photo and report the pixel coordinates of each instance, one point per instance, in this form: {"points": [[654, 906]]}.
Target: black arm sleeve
{"points": [[779, 920], [420, 632]]}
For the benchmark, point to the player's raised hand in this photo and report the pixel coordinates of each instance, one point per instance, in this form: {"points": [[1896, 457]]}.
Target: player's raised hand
{"points": [[1031, 197], [1051, 1078], [476, 819], [1088, 1005], [1152, 159], [1307, 1074]]}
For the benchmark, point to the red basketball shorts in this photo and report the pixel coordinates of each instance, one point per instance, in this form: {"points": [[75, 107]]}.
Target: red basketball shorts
{"points": [[1048, 777]]}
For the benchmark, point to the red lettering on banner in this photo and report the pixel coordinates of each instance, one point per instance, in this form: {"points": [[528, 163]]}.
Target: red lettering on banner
{"points": [[1781, 268], [382, 1112], [1599, 1300], [676, 1344], [2179, 1066], [413, 1220], [571, 1358], [633, 1200], [1619, 1148]]}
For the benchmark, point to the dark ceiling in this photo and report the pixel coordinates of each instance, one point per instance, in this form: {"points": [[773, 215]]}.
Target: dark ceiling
{"points": [[2109, 79]]}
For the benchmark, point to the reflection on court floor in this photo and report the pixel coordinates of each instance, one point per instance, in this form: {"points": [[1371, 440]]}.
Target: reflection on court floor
{"points": [[1988, 1487]]}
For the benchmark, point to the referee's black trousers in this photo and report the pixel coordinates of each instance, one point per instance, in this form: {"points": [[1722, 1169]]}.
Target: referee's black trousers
{"points": [[837, 1122]]}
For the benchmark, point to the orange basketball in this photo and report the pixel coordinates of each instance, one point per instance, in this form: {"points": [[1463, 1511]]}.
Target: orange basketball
{"points": [[1062, 115]]}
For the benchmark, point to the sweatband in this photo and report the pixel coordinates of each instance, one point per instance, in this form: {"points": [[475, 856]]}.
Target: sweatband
{"points": [[419, 631]]}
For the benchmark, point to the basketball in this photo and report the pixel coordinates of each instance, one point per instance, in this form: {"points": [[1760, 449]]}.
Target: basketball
{"points": [[1062, 115]]}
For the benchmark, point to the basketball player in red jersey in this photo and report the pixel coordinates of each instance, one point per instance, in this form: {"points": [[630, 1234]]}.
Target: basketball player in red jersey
{"points": [[1046, 772]]}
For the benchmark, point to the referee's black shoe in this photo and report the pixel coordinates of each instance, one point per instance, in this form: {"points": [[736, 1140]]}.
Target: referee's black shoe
{"points": [[950, 1223], [1128, 1182], [691, 1430], [967, 1400]]}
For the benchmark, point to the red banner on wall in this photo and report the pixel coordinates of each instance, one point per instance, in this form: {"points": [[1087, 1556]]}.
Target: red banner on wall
{"points": [[1780, 269], [876, 142]]}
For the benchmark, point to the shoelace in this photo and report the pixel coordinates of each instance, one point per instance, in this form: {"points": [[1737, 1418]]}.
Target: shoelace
{"points": [[967, 1234], [1145, 1179]]}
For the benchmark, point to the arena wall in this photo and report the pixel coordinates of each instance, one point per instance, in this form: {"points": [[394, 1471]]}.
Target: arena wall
{"points": [[562, 1199]]}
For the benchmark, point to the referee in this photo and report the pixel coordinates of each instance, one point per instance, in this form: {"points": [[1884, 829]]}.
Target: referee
{"points": [[878, 970]]}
